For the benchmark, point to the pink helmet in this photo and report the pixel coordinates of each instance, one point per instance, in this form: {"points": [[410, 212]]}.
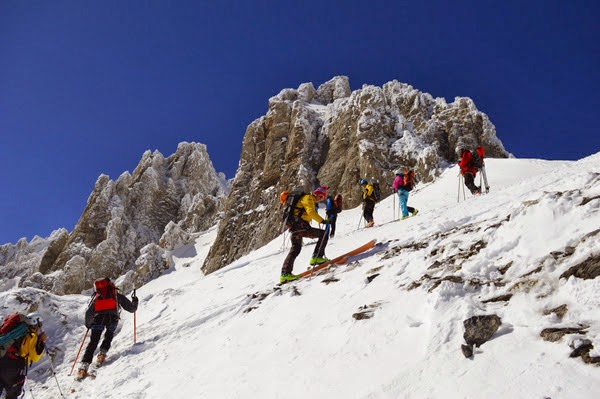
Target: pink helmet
{"points": [[321, 191]]}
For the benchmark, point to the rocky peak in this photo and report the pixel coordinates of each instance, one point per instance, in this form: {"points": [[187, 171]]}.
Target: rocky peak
{"points": [[333, 136], [128, 226]]}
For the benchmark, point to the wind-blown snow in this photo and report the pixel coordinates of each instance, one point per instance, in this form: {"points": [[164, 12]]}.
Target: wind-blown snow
{"points": [[210, 337]]}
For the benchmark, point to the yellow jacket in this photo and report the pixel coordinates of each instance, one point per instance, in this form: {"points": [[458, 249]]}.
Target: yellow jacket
{"points": [[368, 192], [29, 349], [306, 208]]}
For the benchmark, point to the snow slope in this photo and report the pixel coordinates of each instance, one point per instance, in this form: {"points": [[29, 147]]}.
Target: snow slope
{"points": [[232, 334]]}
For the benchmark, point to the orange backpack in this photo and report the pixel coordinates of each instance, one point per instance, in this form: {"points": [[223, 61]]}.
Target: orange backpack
{"points": [[409, 180]]}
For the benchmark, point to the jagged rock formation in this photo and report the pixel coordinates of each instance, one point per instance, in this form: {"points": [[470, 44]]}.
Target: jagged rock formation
{"points": [[334, 136], [24, 258], [127, 227]]}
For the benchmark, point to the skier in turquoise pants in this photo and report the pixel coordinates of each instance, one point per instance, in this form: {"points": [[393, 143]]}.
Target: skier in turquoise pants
{"points": [[403, 183]]}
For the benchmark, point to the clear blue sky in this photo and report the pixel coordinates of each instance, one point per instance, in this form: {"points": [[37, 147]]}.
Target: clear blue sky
{"points": [[87, 86]]}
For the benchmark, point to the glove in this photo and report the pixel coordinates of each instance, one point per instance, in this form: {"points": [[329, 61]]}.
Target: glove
{"points": [[134, 299], [326, 221]]}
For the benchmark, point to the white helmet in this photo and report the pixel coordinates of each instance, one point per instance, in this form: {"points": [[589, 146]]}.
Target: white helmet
{"points": [[399, 172], [34, 319]]}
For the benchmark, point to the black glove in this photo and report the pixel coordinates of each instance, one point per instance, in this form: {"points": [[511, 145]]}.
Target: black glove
{"points": [[134, 299], [326, 221]]}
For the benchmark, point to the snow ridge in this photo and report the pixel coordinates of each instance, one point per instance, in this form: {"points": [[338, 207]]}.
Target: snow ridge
{"points": [[387, 325]]}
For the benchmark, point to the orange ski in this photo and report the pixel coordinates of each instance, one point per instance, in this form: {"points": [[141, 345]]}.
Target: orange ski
{"points": [[340, 259]]}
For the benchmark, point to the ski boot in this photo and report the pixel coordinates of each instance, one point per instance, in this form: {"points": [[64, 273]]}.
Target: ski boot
{"points": [[82, 372], [316, 260], [287, 277], [101, 358]]}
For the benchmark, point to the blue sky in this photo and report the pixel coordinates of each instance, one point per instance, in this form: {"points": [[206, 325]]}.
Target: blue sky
{"points": [[86, 86]]}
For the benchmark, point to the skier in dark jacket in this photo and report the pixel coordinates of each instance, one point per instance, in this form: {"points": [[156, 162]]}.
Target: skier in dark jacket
{"points": [[103, 313], [20, 355], [332, 208]]}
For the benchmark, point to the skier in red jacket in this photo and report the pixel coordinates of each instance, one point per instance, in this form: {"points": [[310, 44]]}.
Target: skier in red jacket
{"points": [[469, 166]]}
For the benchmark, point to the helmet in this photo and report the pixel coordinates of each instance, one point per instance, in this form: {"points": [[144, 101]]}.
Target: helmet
{"points": [[34, 319], [363, 181], [399, 172], [321, 191]]}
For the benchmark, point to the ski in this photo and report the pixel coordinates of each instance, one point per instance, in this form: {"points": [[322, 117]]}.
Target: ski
{"points": [[485, 180], [338, 260]]}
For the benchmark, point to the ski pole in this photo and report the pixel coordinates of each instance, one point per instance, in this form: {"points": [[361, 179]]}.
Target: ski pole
{"points": [[485, 180], [134, 322], [54, 373], [458, 192], [325, 234], [394, 207], [79, 351]]}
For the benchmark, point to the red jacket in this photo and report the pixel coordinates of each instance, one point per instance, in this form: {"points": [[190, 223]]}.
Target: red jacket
{"points": [[465, 160], [466, 157]]}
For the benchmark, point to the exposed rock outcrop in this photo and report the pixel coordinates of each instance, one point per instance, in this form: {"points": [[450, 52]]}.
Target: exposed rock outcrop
{"points": [[335, 136], [478, 330], [128, 225]]}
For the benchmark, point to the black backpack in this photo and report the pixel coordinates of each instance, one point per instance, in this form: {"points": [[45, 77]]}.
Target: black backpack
{"points": [[290, 203], [376, 192], [476, 161]]}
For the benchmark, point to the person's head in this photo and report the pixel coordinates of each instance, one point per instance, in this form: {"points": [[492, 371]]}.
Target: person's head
{"points": [[35, 320], [320, 194], [363, 182], [399, 172]]}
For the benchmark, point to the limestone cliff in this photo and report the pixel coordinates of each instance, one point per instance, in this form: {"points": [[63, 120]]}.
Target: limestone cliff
{"points": [[127, 227], [334, 136]]}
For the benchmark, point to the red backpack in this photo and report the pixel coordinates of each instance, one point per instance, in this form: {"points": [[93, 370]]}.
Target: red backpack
{"points": [[106, 295], [13, 328]]}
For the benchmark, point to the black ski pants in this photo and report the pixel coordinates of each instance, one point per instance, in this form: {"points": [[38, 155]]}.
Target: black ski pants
{"points": [[470, 183], [368, 209], [303, 229], [101, 322], [11, 381]]}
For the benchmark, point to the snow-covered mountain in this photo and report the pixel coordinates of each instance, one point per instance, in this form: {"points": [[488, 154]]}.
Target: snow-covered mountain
{"points": [[390, 323]]}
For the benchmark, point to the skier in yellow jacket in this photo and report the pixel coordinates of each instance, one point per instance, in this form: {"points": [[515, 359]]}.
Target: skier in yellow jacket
{"points": [[304, 212], [368, 202], [20, 355]]}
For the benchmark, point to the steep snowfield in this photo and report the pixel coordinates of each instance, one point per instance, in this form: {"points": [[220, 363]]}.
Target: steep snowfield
{"points": [[231, 334]]}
